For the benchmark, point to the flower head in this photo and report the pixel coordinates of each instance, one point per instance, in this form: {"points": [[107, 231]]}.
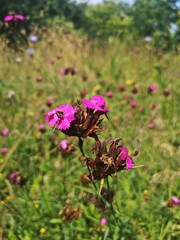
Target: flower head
{"points": [[147, 39], [61, 117], [152, 88], [66, 147], [107, 162], [133, 104], [33, 38], [39, 78], [175, 200], [5, 132], [12, 17], [103, 221], [96, 103], [64, 144], [4, 150], [49, 101], [42, 128], [151, 125], [109, 94], [30, 51], [17, 178]]}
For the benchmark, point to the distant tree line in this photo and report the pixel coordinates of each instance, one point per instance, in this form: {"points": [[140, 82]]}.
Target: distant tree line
{"points": [[153, 20]]}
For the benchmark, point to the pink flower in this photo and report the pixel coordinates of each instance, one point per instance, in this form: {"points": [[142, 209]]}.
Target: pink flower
{"points": [[11, 176], [123, 156], [122, 88], [175, 200], [96, 103], [5, 132], [152, 88], [133, 104], [151, 125], [13, 17], [39, 78], [64, 144], [152, 105], [103, 221], [61, 117], [129, 163], [64, 71], [49, 101], [58, 56], [167, 92], [4, 150], [41, 128], [51, 61], [109, 94]]}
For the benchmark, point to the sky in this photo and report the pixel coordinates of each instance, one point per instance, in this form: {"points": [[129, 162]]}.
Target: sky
{"points": [[99, 1]]}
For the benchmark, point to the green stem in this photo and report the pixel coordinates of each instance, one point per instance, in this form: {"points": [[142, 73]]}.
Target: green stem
{"points": [[111, 205], [82, 151]]}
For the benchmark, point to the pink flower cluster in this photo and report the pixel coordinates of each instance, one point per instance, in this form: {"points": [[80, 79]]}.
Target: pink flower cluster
{"points": [[61, 117], [84, 121], [12, 17], [77, 120]]}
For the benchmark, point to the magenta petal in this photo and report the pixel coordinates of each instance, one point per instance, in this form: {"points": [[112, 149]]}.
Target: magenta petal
{"points": [[68, 110], [64, 144], [19, 17], [122, 156], [88, 104], [175, 200], [8, 18], [98, 101], [64, 124], [129, 163], [124, 150], [51, 118]]}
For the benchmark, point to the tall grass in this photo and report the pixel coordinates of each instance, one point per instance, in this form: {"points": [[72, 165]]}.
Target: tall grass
{"points": [[140, 198]]}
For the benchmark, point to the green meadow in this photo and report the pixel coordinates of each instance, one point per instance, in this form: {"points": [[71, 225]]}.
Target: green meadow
{"points": [[137, 203]]}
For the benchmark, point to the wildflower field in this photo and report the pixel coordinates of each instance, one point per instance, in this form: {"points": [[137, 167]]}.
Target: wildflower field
{"points": [[58, 180]]}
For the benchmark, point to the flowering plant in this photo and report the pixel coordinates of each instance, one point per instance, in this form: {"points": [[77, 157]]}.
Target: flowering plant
{"points": [[85, 121]]}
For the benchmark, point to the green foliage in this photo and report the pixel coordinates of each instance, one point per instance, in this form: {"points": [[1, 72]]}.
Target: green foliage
{"points": [[108, 19], [154, 18], [32, 211]]}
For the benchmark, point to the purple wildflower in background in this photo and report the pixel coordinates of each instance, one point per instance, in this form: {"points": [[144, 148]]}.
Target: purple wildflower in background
{"points": [[64, 71], [152, 88], [12, 17], [147, 39], [152, 105], [39, 78], [51, 61], [96, 103], [64, 144], [60, 117], [49, 101], [58, 56], [151, 125], [133, 104], [33, 38], [5, 132], [103, 221], [4, 150], [109, 94], [30, 51], [175, 200], [42, 128]]}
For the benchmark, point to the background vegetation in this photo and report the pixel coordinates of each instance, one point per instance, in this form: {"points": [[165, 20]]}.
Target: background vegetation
{"points": [[115, 58]]}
